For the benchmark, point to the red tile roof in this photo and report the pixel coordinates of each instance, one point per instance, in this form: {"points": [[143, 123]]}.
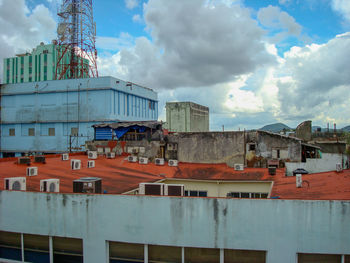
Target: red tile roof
{"points": [[119, 176]]}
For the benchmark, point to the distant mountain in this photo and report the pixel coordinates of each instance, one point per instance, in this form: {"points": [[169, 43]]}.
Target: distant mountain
{"points": [[346, 128], [276, 127]]}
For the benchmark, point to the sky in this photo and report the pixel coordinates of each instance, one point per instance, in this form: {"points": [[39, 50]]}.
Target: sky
{"points": [[252, 62]]}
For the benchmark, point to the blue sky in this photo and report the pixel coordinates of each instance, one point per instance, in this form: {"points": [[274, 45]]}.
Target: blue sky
{"points": [[253, 62]]}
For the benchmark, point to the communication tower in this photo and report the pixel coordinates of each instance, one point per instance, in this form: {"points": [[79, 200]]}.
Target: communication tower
{"points": [[76, 32]]}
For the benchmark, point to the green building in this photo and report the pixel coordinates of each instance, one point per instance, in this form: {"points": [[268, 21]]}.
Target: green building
{"points": [[40, 65]]}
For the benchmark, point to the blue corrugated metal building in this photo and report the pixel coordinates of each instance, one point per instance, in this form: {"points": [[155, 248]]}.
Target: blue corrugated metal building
{"points": [[57, 115]]}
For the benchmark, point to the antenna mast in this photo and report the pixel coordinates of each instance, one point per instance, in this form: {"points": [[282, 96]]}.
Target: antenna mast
{"points": [[76, 32]]}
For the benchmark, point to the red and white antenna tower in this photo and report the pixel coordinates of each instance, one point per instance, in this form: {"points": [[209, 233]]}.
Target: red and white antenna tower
{"points": [[76, 32]]}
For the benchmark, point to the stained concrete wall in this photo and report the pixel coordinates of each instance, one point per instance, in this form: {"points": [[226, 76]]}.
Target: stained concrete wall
{"points": [[325, 164], [210, 147], [307, 226], [186, 117], [268, 142]]}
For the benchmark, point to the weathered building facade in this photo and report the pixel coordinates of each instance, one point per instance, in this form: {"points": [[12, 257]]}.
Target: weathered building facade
{"points": [[57, 115], [186, 117]]}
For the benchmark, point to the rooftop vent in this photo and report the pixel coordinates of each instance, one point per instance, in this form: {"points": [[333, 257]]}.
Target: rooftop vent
{"points": [[87, 185], [24, 160], [151, 189], [339, 167], [39, 159], [299, 181], [174, 189]]}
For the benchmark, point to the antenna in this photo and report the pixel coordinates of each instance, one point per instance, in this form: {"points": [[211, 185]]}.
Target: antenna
{"points": [[76, 32]]}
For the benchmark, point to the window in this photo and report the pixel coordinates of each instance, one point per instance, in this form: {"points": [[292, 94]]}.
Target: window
{"points": [[196, 193], [246, 195], [12, 132], [252, 147], [51, 131], [31, 132]]}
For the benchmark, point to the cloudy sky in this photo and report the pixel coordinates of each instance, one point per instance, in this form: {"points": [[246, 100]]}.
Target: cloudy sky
{"points": [[252, 62]]}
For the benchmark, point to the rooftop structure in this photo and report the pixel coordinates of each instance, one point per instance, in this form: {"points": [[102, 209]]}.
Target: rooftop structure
{"points": [[41, 64], [120, 176], [131, 227], [186, 117], [57, 116]]}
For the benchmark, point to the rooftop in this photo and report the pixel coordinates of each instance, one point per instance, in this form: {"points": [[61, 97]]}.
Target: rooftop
{"points": [[120, 176]]}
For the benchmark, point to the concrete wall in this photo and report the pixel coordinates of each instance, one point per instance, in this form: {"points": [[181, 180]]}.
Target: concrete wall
{"points": [[325, 164], [306, 226], [210, 147], [187, 117], [221, 188], [65, 104]]}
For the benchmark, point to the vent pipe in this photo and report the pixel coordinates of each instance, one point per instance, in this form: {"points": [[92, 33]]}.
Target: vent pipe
{"points": [[299, 181]]}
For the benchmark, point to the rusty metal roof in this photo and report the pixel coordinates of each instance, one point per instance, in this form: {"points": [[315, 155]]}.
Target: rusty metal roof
{"points": [[115, 125]]}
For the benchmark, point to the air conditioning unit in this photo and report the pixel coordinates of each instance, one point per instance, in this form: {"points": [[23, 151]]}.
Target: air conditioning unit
{"points": [[173, 162], [92, 154], [91, 164], [107, 150], [143, 160], [100, 150], [24, 160], [239, 167], [65, 157], [32, 171], [132, 159], [174, 189], [39, 159], [50, 185], [87, 185], [299, 180], [110, 155], [339, 167], [159, 161], [75, 164], [15, 183], [151, 189], [142, 149]]}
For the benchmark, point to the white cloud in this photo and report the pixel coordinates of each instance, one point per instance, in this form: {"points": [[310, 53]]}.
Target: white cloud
{"points": [[22, 29], [315, 79], [273, 18], [125, 40], [131, 4], [343, 7], [284, 2], [137, 18], [194, 44]]}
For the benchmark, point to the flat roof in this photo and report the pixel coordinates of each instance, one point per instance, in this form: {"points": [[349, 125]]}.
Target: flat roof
{"points": [[120, 176]]}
